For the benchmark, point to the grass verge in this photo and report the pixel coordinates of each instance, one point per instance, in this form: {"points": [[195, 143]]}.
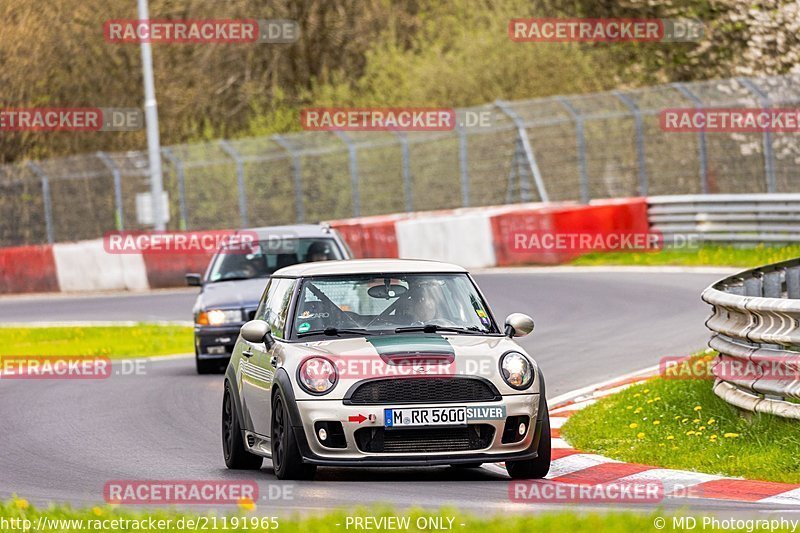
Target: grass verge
{"points": [[63, 518], [114, 342], [705, 256], [682, 424]]}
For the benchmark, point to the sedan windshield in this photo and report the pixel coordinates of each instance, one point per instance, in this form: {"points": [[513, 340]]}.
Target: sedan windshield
{"points": [[366, 305], [268, 256]]}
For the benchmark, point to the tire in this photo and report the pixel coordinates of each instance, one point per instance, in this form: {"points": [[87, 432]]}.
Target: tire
{"points": [[205, 367], [286, 458], [233, 450], [534, 468]]}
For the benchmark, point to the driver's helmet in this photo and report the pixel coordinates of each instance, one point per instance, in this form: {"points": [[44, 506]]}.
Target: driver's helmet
{"points": [[318, 251]]}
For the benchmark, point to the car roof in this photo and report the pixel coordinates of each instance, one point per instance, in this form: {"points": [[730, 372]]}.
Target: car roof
{"points": [[367, 266], [294, 230]]}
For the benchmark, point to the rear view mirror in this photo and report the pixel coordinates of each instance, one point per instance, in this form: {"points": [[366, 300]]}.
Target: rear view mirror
{"points": [[194, 280], [255, 331], [384, 292], [518, 325]]}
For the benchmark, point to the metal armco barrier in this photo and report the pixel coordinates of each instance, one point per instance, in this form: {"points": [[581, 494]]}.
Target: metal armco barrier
{"points": [[756, 323], [728, 218]]}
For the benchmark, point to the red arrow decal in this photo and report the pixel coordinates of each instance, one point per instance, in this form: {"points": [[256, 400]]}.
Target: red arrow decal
{"points": [[360, 418]]}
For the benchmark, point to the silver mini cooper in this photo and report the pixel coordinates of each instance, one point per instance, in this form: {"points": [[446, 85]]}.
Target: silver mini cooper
{"points": [[382, 362]]}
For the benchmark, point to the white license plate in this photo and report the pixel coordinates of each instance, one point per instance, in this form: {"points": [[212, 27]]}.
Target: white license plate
{"points": [[426, 416]]}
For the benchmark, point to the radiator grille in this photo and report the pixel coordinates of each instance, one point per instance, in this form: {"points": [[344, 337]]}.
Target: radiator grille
{"points": [[423, 390]]}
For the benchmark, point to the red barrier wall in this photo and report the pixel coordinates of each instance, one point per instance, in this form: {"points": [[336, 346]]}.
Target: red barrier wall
{"points": [[28, 269], [370, 236], [599, 219], [169, 270]]}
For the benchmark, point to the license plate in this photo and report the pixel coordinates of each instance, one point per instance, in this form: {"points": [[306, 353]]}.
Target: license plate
{"points": [[426, 416]]}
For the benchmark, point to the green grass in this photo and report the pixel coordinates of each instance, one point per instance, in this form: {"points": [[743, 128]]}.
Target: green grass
{"points": [[682, 424], [704, 256], [110, 341], [332, 522]]}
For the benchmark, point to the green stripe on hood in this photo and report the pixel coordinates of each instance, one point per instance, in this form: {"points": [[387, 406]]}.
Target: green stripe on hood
{"points": [[404, 344]]}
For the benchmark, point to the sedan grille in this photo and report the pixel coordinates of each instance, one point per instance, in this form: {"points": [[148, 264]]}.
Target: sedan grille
{"points": [[422, 390], [425, 440]]}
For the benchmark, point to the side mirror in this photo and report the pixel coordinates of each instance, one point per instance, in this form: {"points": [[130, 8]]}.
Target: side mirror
{"points": [[194, 280], [255, 331], [518, 325]]}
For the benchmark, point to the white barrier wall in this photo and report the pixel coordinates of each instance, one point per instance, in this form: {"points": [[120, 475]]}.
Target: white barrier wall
{"points": [[464, 239], [86, 266]]}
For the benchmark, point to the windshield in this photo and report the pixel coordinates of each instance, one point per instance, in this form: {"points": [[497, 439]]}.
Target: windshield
{"points": [[378, 304], [266, 257]]}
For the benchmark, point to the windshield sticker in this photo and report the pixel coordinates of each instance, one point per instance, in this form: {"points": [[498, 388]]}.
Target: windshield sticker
{"points": [[302, 328], [308, 314], [484, 317]]}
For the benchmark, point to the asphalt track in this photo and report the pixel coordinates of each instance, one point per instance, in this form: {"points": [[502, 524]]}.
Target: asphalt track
{"points": [[62, 440]]}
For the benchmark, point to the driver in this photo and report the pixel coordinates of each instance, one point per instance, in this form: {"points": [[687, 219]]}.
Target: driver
{"points": [[318, 251], [423, 304]]}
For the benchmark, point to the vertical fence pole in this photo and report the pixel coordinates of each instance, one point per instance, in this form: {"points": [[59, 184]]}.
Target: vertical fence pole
{"points": [[352, 157], [642, 162], [766, 140], [580, 138], [463, 164], [48, 206], [237, 158], [119, 218], [702, 149], [179, 174], [297, 171], [522, 134], [407, 185]]}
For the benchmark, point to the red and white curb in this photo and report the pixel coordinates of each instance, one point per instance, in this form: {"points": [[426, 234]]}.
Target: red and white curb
{"points": [[574, 467]]}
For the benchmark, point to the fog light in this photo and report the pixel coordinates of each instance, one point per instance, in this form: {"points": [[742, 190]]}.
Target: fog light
{"points": [[322, 434], [522, 428]]}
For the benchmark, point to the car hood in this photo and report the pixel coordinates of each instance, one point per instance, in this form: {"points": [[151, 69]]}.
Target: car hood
{"points": [[232, 294]]}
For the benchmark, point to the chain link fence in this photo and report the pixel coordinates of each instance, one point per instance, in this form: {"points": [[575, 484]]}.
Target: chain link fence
{"points": [[577, 147]]}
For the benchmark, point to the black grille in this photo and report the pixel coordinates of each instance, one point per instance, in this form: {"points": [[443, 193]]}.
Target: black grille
{"points": [[424, 440], [423, 390]]}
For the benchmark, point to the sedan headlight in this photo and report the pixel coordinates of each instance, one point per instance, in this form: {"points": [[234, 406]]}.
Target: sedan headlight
{"points": [[317, 375], [218, 317], [516, 370]]}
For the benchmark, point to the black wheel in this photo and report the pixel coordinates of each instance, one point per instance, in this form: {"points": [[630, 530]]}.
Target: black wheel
{"points": [[467, 465], [205, 366], [236, 455], [286, 459], [534, 468]]}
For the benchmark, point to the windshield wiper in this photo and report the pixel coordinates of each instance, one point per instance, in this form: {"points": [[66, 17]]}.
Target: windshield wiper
{"points": [[433, 328], [331, 332]]}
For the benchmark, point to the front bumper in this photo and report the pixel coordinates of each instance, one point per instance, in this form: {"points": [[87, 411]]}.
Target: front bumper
{"points": [[215, 342], [311, 411]]}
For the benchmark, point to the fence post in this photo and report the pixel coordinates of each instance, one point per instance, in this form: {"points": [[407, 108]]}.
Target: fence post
{"points": [[702, 148], [352, 157], [793, 282], [178, 165], [522, 134], [463, 164], [115, 173], [297, 171], [231, 151], [766, 139], [580, 137], [48, 207], [637, 117], [407, 186]]}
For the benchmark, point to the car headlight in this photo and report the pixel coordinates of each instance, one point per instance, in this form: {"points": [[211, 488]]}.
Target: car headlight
{"points": [[516, 370], [317, 375], [218, 317]]}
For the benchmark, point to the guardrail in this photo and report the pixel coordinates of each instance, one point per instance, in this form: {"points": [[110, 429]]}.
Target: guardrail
{"points": [[756, 325], [728, 218]]}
